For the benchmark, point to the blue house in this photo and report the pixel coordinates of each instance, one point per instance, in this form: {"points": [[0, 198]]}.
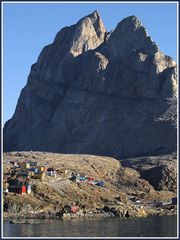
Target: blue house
{"points": [[100, 183], [174, 201], [33, 164]]}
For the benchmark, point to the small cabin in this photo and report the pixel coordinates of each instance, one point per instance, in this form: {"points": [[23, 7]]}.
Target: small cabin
{"points": [[82, 178], [5, 186], [78, 177], [74, 209], [33, 164], [30, 173], [67, 172], [25, 165], [66, 209], [32, 169], [23, 189], [100, 183], [174, 201], [28, 188], [41, 168], [90, 178], [14, 163], [51, 172]]}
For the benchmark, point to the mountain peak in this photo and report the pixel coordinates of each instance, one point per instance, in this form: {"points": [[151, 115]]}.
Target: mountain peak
{"points": [[95, 14], [131, 20], [88, 33], [130, 35], [117, 100]]}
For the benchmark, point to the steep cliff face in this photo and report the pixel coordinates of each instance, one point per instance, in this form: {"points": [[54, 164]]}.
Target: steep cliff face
{"points": [[98, 93]]}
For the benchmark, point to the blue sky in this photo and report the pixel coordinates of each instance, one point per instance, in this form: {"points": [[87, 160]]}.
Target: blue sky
{"points": [[28, 27]]}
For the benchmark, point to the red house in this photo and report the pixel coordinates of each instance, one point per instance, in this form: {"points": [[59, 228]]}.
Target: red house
{"points": [[74, 209], [91, 178], [23, 189]]}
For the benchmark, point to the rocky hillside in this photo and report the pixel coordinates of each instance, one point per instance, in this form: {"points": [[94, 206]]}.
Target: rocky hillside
{"points": [[94, 92], [122, 187]]}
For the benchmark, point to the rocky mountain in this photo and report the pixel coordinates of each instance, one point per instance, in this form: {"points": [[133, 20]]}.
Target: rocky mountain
{"points": [[160, 171], [95, 92]]}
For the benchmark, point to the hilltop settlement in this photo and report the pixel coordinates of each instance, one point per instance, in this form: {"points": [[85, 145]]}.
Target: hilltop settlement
{"points": [[64, 186]]}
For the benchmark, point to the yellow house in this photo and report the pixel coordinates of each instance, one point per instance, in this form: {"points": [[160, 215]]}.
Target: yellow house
{"points": [[25, 165], [5, 185], [41, 168], [31, 174]]}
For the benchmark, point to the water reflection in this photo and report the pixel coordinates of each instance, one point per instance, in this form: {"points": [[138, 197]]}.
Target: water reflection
{"points": [[142, 227]]}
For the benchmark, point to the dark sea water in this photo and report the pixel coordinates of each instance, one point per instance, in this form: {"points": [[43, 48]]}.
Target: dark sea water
{"points": [[156, 226]]}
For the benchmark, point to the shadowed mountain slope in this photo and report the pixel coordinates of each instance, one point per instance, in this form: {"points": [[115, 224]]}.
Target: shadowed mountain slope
{"points": [[94, 92]]}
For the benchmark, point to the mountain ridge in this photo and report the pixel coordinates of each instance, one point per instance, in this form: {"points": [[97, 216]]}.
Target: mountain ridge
{"points": [[98, 93]]}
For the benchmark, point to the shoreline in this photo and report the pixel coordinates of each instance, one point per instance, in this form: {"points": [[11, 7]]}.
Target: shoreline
{"points": [[20, 218]]}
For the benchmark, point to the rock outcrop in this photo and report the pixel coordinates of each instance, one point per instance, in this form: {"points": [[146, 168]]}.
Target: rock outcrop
{"points": [[94, 92], [159, 171]]}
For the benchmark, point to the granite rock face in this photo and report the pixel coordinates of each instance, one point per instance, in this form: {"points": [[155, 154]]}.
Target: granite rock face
{"points": [[100, 93]]}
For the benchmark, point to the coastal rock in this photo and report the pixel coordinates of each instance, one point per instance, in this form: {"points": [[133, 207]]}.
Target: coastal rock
{"points": [[93, 92]]}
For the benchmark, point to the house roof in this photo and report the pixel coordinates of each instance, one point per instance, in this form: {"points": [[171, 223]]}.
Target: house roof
{"points": [[50, 169]]}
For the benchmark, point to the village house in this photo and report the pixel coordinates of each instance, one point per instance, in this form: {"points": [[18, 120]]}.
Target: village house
{"points": [[14, 163], [25, 165], [78, 178], [74, 208], [33, 169], [41, 168], [174, 201], [28, 187], [5, 186], [100, 183], [51, 172], [33, 164], [72, 176], [23, 189], [30, 173], [67, 172]]}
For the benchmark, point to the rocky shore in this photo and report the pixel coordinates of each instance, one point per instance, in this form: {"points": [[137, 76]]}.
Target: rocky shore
{"points": [[119, 212]]}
